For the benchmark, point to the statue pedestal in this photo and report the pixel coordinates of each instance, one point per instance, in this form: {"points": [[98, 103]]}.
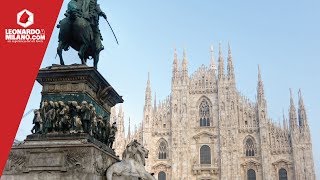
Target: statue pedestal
{"points": [[78, 83], [59, 156], [59, 150]]}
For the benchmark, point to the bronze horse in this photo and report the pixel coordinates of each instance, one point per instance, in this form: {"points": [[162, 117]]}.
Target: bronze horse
{"points": [[77, 32]]}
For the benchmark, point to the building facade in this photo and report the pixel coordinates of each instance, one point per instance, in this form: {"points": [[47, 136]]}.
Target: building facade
{"points": [[207, 130]]}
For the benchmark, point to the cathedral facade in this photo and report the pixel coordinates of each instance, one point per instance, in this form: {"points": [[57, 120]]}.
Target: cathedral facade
{"points": [[207, 130]]}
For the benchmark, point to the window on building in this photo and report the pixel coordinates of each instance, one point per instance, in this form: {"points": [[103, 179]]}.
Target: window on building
{"points": [[251, 174], [283, 174], [162, 175], [204, 113], [249, 147], [163, 150], [205, 154]]}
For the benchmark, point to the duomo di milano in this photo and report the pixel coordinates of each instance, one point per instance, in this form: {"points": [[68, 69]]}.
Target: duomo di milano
{"points": [[206, 130]]}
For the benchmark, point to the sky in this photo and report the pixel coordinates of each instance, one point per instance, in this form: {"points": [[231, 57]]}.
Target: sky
{"points": [[281, 36]]}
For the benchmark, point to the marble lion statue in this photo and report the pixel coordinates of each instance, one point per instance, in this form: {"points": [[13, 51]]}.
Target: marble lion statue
{"points": [[132, 164]]}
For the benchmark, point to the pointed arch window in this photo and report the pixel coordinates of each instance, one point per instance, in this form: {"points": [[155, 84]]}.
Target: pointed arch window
{"points": [[162, 175], [251, 174], [163, 150], [205, 154], [283, 174], [249, 147], [204, 113]]}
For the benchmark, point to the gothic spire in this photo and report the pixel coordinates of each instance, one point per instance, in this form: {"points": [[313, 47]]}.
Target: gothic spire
{"points": [[230, 64], [175, 68], [120, 110], [292, 113], [212, 61], [155, 102], [284, 119], [148, 94], [113, 113], [120, 121], [175, 59], [184, 65], [260, 88], [129, 131], [302, 112], [221, 64], [148, 81], [301, 104], [135, 129]]}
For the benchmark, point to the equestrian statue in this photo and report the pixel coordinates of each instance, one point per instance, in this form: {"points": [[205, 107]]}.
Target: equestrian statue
{"points": [[80, 30]]}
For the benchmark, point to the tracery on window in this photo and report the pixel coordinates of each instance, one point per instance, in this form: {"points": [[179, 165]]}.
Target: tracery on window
{"points": [[204, 113], [249, 147], [163, 150]]}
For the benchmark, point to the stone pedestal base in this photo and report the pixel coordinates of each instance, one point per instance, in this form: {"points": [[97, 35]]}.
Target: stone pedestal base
{"points": [[59, 157]]}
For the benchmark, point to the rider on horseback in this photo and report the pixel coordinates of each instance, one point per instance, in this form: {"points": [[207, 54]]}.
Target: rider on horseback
{"points": [[80, 30], [89, 10]]}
